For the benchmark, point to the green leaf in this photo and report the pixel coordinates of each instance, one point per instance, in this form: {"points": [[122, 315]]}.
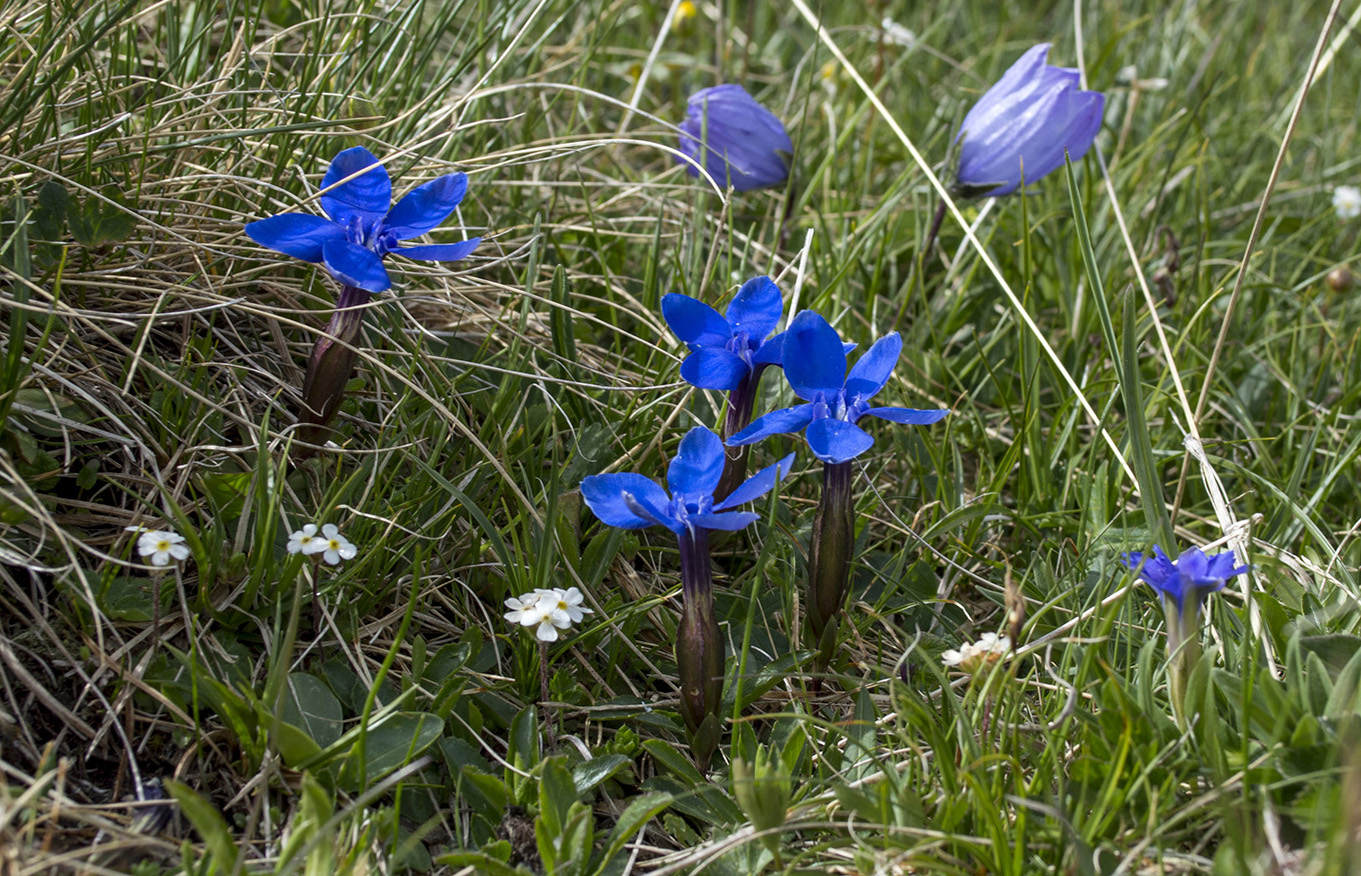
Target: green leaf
{"points": [[481, 863], [586, 776], [309, 705], [557, 793], [638, 813], [393, 742], [209, 823], [1336, 651]]}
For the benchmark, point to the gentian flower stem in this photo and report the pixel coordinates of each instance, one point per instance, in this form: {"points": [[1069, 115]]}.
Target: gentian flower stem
{"points": [[331, 364], [741, 401], [699, 650], [829, 558]]}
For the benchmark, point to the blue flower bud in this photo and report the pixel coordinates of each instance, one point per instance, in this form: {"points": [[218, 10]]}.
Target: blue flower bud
{"points": [[747, 144], [1024, 124]]}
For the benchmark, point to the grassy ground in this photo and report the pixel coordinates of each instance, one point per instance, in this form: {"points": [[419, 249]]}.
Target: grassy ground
{"points": [[381, 715]]}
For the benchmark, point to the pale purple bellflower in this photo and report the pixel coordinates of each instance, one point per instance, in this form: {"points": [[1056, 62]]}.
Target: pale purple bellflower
{"points": [[748, 147], [1024, 124]]}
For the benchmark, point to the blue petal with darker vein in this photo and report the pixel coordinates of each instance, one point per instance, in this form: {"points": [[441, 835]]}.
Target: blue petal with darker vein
{"points": [[354, 265], [426, 206], [367, 195], [300, 235]]}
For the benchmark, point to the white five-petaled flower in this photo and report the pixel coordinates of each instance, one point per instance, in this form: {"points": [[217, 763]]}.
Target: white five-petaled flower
{"points": [[1347, 202], [304, 541], [975, 656], [160, 547], [548, 611], [333, 546]]}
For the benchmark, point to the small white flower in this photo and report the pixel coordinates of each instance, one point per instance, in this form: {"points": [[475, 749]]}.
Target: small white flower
{"points": [[1347, 202], [333, 546], [525, 610], [548, 611], [974, 656], [160, 547], [896, 33], [305, 541]]}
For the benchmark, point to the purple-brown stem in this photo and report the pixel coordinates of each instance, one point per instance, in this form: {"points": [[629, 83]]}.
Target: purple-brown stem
{"points": [[331, 364], [829, 559], [741, 401], [699, 650]]}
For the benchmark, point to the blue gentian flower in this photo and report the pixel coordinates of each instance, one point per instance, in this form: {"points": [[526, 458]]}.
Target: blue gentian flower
{"points": [[815, 366], [726, 348], [748, 145], [362, 229], [1024, 124], [631, 501], [1192, 575]]}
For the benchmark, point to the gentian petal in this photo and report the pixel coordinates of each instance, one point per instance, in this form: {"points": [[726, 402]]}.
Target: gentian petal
{"points": [[871, 371], [756, 308], [427, 205], [757, 485], [1223, 566], [793, 419], [908, 416], [770, 352], [837, 440], [729, 520], [354, 265], [300, 235], [366, 196], [440, 252], [814, 359], [604, 494], [698, 466], [713, 368], [648, 509], [695, 322]]}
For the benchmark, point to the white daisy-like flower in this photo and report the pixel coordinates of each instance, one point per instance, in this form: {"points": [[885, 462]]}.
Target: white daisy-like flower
{"points": [[1347, 202], [975, 656], [305, 541], [569, 602], [334, 547], [160, 547]]}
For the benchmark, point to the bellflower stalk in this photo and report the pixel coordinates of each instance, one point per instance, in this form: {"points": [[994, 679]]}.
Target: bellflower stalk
{"points": [[748, 147], [360, 229], [631, 501], [834, 400], [1184, 584], [729, 352]]}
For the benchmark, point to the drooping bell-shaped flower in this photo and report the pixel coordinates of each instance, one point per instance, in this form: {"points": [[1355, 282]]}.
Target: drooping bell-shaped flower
{"points": [[631, 501], [747, 146], [1023, 125]]}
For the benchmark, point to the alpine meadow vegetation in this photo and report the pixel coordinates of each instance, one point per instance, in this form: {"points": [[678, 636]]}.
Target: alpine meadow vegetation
{"points": [[448, 436]]}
